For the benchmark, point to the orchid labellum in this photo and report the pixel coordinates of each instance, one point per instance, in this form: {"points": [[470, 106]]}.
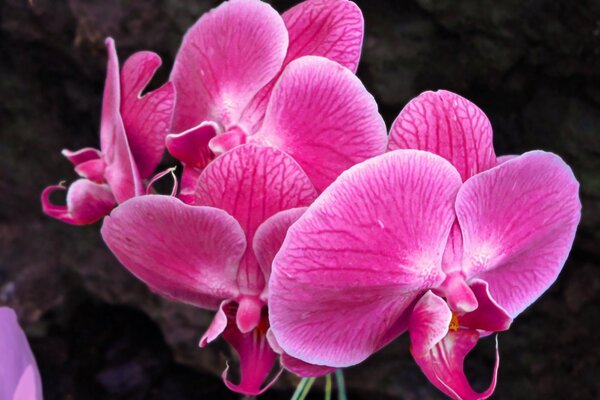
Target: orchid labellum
{"points": [[132, 141], [245, 74], [450, 246], [19, 375]]}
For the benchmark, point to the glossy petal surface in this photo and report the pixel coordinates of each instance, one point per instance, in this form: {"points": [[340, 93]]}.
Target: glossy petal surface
{"points": [[146, 118], [224, 60], [185, 253], [252, 183], [321, 114], [121, 173], [354, 262], [518, 222], [448, 125], [19, 375]]}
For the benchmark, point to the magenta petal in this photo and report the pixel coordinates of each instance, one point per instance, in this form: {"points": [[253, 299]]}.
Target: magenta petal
{"points": [[300, 368], [255, 355], [503, 159], [518, 222], [146, 118], [488, 316], [328, 28], [93, 170], [19, 375], [352, 264], [252, 183], [80, 156], [121, 172], [191, 147], [185, 253], [87, 202], [458, 294], [321, 114], [249, 313], [224, 60], [448, 125], [429, 323], [269, 237]]}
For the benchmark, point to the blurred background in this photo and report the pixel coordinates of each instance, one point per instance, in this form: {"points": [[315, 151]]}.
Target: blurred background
{"points": [[532, 65]]}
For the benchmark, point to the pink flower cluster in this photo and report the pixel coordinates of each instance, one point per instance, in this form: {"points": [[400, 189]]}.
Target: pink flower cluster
{"points": [[315, 236]]}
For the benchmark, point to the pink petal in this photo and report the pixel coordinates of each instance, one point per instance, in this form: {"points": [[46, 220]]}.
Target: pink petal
{"points": [[518, 222], [146, 118], [218, 324], [488, 316], [448, 125], [19, 375], [503, 159], [121, 171], [441, 352], [224, 60], [300, 368], [80, 156], [326, 28], [255, 355], [252, 183], [458, 294], [321, 114], [249, 313], [269, 237], [184, 253], [87, 202], [352, 264]]}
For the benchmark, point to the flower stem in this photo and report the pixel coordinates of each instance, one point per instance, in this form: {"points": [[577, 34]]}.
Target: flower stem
{"points": [[328, 387], [339, 378], [303, 388]]}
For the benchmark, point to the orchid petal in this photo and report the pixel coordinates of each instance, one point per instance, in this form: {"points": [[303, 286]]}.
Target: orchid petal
{"points": [[19, 375], [191, 147], [224, 60], [505, 158], [255, 355], [82, 155], [184, 253], [518, 222], [218, 324], [448, 125], [365, 249], [121, 171], [252, 183], [303, 369], [87, 202], [146, 118], [321, 114], [270, 235], [328, 28], [488, 316], [440, 352], [93, 170], [458, 294]]}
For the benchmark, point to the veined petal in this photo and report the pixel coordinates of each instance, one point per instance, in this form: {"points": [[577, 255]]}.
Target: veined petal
{"points": [[488, 316], [270, 234], [253, 183], [328, 28], [87, 202], [121, 172], [322, 115], [449, 125], [429, 323], [185, 253], [305, 370], [224, 60], [352, 264], [146, 118], [19, 375], [518, 222]]}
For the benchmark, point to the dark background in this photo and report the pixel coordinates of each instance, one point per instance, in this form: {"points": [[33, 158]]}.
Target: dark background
{"points": [[533, 66]]}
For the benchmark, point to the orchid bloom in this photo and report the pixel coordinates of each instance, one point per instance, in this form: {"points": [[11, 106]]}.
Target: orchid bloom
{"points": [[245, 74], [132, 141], [19, 375], [217, 254], [451, 246]]}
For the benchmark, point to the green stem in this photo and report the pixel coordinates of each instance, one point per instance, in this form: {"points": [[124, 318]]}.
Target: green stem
{"points": [[339, 378], [303, 388], [328, 387]]}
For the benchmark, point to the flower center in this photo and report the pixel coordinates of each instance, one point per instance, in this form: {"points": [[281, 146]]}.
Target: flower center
{"points": [[454, 322]]}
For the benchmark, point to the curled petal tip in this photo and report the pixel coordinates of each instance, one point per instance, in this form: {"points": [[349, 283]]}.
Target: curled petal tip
{"points": [[158, 176], [248, 389]]}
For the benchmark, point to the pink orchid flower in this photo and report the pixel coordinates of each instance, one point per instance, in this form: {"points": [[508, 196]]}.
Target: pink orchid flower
{"points": [[217, 254], [245, 74], [19, 375], [132, 141], [450, 248]]}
